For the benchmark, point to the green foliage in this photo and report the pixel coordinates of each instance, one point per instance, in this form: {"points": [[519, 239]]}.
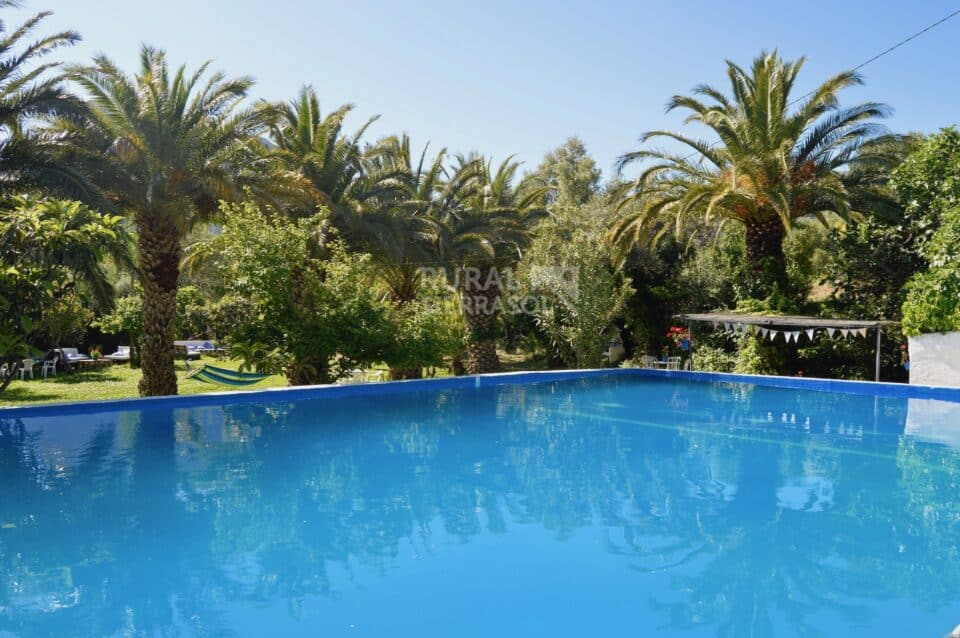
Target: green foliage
{"points": [[571, 175], [192, 313], [928, 183], [311, 319], [713, 359], [423, 333], [51, 251], [64, 321], [933, 296], [805, 250], [568, 270], [32, 91], [754, 357]]}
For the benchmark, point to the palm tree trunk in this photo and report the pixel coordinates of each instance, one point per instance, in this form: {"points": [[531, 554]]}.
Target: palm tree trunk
{"points": [[481, 304], [764, 244], [159, 246]]}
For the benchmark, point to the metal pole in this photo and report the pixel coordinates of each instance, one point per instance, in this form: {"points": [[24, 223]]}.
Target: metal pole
{"points": [[879, 336]]}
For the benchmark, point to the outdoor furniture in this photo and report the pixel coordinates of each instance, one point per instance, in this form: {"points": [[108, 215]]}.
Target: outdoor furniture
{"points": [[49, 366], [673, 363], [648, 361], [26, 367], [191, 348], [89, 363], [71, 355], [122, 354]]}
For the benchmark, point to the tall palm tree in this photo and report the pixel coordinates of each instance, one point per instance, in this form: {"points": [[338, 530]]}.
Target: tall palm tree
{"points": [[476, 238], [32, 90], [425, 195], [339, 172], [165, 148], [772, 164]]}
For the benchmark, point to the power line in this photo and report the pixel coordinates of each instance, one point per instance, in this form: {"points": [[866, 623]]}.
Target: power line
{"points": [[893, 48], [886, 51]]}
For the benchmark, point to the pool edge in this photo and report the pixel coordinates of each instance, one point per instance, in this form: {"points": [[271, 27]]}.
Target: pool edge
{"points": [[872, 388]]}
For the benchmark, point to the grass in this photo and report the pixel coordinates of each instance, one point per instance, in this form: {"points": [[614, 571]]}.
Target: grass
{"points": [[119, 381]]}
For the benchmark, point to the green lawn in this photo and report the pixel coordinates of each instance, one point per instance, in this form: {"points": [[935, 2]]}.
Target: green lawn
{"points": [[118, 381]]}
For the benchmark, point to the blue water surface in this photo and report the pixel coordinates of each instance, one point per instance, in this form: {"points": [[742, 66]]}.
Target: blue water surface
{"points": [[604, 506]]}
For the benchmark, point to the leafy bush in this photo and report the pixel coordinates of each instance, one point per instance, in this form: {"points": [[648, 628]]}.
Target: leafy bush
{"points": [[713, 359], [64, 321], [755, 357], [569, 272], [933, 297], [424, 331], [51, 250], [312, 319]]}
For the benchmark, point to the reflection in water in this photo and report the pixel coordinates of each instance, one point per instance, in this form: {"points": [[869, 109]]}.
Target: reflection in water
{"points": [[597, 507]]}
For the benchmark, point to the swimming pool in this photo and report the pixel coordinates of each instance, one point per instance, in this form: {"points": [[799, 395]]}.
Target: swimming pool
{"points": [[598, 505]]}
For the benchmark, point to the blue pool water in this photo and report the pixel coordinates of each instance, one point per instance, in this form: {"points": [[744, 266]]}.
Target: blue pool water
{"points": [[604, 506]]}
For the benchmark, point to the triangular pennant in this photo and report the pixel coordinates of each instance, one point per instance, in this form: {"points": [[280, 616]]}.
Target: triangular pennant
{"points": [[726, 326], [831, 332], [847, 332], [862, 332], [810, 333]]}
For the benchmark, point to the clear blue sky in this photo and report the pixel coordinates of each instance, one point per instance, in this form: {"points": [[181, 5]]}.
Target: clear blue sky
{"points": [[503, 77]]}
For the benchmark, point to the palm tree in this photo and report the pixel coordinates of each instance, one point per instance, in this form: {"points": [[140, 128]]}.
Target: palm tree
{"points": [[32, 91], [485, 231], [770, 167], [338, 172], [165, 149]]}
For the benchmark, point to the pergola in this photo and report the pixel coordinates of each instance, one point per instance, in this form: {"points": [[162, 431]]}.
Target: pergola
{"points": [[791, 326]]}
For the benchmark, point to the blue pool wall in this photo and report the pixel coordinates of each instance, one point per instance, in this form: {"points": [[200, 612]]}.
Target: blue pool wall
{"points": [[870, 388]]}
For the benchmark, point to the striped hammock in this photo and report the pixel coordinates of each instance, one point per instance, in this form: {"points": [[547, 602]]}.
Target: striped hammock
{"points": [[222, 376]]}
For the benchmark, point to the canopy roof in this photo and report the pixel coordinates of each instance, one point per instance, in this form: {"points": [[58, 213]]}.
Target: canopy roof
{"points": [[783, 321]]}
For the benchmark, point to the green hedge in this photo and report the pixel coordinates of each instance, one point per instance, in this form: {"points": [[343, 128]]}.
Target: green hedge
{"points": [[933, 296]]}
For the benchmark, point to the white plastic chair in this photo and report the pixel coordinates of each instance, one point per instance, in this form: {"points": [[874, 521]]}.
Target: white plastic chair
{"points": [[26, 367], [648, 361], [673, 363], [49, 366]]}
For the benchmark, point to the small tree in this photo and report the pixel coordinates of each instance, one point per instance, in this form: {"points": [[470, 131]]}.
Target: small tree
{"points": [[311, 319], [49, 250], [576, 292], [125, 318]]}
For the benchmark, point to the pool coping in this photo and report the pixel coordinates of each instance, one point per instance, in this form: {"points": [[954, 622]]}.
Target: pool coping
{"points": [[872, 388]]}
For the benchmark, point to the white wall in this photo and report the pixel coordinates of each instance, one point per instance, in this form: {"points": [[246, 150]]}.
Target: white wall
{"points": [[935, 359]]}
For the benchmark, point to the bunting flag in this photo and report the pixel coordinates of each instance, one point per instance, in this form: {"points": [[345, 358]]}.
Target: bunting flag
{"points": [[716, 324], [847, 332], [831, 332], [810, 333], [862, 332], [796, 336], [726, 326], [764, 332]]}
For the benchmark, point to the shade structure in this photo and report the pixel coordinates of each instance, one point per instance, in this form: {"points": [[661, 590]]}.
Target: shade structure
{"points": [[794, 323]]}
